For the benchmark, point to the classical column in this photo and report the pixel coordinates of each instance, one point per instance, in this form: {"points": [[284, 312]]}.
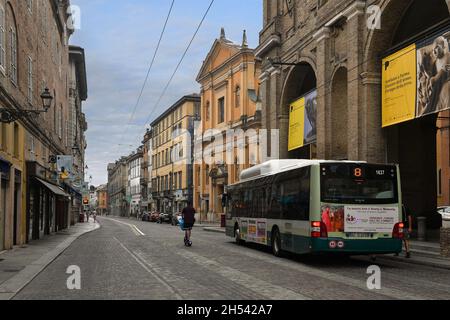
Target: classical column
{"points": [[322, 38], [373, 142], [356, 110]]}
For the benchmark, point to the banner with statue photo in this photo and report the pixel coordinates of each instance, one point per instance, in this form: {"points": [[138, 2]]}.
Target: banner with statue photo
{"points": [[302, 121], [416, 80]]}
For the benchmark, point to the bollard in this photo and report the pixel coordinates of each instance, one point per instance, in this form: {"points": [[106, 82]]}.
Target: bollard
{"points": [[421, 228]]}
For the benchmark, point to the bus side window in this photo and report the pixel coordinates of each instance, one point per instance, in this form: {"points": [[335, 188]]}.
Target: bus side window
{"points": [[274, 207]]}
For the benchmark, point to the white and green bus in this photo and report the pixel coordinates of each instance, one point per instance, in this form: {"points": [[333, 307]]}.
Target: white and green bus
{"points": [[312, 206]]}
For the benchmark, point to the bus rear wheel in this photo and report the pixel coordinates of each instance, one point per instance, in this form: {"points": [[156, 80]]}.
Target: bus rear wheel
{"points": [[276, 243]]}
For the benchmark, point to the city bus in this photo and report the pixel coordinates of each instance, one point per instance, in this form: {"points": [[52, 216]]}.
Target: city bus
{"points": [[313, 206]]}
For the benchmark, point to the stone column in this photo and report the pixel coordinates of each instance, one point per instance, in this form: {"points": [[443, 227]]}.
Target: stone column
{"points": [[274, 110], [373, 142], [356, 109], [323, 77]]}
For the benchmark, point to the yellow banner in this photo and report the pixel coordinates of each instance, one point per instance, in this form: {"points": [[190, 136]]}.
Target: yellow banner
{"points": [[296, 124], [399, 87]]}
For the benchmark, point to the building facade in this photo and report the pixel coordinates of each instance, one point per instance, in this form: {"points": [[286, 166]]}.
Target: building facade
{"points": [[102, 200], [34, 55], [146, 181], [229, 98], [117, 188], [172, 157], [77, 126], [134, 183], [336, 48]]}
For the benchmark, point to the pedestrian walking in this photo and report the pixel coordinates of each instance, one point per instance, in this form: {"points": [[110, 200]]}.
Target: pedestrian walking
{"points": [[407, 230], [188, 215]]}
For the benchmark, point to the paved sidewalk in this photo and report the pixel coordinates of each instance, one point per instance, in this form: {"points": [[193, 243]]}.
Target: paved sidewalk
{"points": [[423, 253], [20, 266]]}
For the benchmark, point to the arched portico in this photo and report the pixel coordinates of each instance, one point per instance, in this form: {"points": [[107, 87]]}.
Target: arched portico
{"points": [[300, 80], [412, 144]]}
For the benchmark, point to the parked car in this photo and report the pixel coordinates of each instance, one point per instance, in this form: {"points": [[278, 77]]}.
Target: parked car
{"points": [[176, 219], [444, 212], [154, 217], [164, 217], [145, 217]]}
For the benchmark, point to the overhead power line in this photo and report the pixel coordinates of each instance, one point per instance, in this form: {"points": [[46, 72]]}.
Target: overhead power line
{"points": [[179, 64], [149, 69]]}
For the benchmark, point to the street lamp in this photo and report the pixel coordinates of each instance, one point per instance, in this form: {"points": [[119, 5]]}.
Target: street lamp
{"points": [[47, 99], [11, 115]]}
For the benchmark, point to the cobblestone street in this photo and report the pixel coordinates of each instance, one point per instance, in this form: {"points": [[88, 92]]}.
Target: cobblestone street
{"points": [[118, 262]]}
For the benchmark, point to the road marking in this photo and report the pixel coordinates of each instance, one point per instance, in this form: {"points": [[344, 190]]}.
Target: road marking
{"points": [[135, 229], [148, 268], [269, 290], [138, 231]]}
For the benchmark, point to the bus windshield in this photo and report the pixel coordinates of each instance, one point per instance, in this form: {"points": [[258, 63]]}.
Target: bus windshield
{"points": [[358, 184]]}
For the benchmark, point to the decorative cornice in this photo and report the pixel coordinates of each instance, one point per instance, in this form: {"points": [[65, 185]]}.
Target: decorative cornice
{"points": [[356, 9], [323, 33], [264, 76], [272, 42], [370, 78]]}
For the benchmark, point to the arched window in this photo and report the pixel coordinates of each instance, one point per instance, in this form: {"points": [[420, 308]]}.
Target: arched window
{"points": [[2, 38], [237, 102], [13, 51]]}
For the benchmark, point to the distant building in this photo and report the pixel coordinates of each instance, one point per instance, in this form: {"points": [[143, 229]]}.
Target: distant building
{"points": [[117, 188], [102, 200], [172, 157], [134, 196], [147, 203], [93, 200]]}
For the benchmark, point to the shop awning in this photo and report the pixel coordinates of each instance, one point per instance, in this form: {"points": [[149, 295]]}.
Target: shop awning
{"points": [[73, 190], [55, 189]]}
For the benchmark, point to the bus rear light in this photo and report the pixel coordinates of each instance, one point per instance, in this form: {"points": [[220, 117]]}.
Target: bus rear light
{"points": [[398, 231], [318, 230]]}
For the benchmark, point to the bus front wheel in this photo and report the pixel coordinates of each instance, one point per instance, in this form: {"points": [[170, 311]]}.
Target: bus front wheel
{"points": [[276, 243]]}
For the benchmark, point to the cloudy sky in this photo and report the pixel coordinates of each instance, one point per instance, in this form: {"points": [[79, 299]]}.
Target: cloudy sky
{"points": [[120, 38]]}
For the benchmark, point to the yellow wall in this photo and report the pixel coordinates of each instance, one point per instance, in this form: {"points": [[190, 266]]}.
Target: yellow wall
{"points": [[162, 131], [12, 149], [217, 81]]}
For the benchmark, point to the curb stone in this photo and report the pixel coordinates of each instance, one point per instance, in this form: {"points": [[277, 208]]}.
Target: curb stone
{"points": [[419, 262], [212, 229]]}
